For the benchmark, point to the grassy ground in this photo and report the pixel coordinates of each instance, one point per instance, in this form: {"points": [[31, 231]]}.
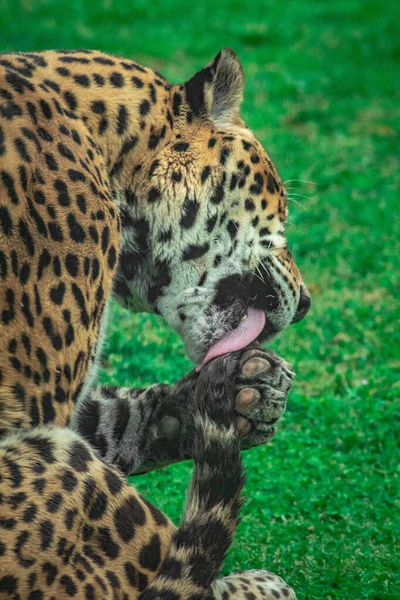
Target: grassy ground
{"points": [[322, 96]]}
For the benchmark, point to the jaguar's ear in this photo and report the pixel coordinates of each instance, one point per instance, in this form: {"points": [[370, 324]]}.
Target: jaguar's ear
{"points": [[216, 91]]}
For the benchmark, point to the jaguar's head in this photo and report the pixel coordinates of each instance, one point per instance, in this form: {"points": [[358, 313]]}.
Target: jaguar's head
{"points": [[205, 246]]}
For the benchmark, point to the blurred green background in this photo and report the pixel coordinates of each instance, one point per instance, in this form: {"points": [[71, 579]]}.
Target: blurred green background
{"points": [[322, 95]]}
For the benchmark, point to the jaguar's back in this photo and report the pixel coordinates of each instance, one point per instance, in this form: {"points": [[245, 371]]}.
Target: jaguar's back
{"points": [[59, 233]]}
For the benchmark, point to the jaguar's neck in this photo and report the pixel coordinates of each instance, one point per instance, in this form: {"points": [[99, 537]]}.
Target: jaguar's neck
{"points": [[125, 107]]}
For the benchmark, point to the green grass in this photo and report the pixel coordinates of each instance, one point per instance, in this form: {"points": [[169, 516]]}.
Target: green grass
{"points": [[322, 95]]}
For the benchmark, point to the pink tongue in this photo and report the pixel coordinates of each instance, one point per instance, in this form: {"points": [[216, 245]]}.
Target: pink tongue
{"points": [[239, 338]]}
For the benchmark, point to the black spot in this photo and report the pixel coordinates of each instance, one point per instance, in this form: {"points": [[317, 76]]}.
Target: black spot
{"points": [[72, 264], [113, 579], [10, 110], [113, 481], [2, 141], [54, 502], [62, 192], [48, 408], [106, 543], [81, 203], [25, 309], [144, 107], [51, 334], [76, 231], [70, 99], [99, 79], [218, 194], [57, 293], [60, 395], [3, 265], [105, 239], [46, 110], [8, 584], [171, 568], [122, 119], [150, 554], [66, 152], [19, 83], [116, 80], [154, 195], [98, 507], [95, 268], [79, 457], [51, 161], [69, 586], [127, 516], [225, 153], [160, 281], [52, 85], [16, 499], [129, 145], [154, 165], [51, 572], [82, 80], [232, 228], [75, 175], [55, 231], [130, 573], [29, 513], [57, 266], [22, 151], [205, 174], [26, 237], [73, 59], [80, 300], [177, 101], [180, 147], [39, 197], [194, 251], [249, 204], [5, 221], [256, 187], [233, 182], [8, 183], [190, 209], [68, 481], [138, 83], [123, 416], [112, 257], [46, 533]]}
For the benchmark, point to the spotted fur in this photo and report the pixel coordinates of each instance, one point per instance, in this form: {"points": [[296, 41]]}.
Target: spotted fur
{"points": [[113, 181]]}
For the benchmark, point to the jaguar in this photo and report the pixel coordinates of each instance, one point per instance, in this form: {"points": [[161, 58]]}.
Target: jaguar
{"points": [[116, 184]]}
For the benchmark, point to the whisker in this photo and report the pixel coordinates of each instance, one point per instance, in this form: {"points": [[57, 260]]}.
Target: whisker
{"points": [[256, 275], [298, 195], [299, 181], [297, 202]]}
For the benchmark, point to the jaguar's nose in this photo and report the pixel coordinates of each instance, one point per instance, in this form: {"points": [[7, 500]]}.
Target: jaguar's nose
{"points": [[304, 304]]}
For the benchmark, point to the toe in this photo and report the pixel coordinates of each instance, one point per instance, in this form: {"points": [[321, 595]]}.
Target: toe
{"points": [[243, 426], [255, 366], [246, 398]]}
